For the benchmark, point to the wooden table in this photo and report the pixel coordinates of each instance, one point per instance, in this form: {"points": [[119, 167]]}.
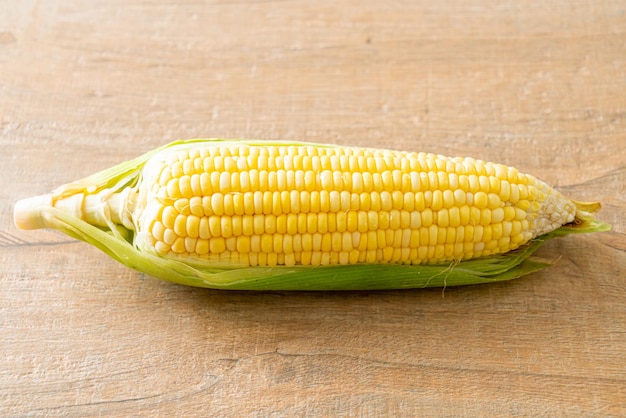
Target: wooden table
{"points": [[540, 86]]}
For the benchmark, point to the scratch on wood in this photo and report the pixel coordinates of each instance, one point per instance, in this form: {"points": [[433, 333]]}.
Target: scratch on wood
{"points": [[9, 240]]}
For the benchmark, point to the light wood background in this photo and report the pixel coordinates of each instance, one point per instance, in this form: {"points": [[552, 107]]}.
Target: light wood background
{"points": [[538, 85]]}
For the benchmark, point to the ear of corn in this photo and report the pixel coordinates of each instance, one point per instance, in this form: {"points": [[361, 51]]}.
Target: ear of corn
{"points": [[299, 216]]}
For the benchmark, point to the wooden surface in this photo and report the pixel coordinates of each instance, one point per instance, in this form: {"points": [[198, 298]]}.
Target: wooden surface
{"points": [[538, 85]]}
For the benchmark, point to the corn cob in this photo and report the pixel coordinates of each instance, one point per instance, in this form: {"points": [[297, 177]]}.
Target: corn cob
{"points": [[254, 214]]}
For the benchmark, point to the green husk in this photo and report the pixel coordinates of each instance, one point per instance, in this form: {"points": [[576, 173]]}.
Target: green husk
{"points": [[117, 242]]}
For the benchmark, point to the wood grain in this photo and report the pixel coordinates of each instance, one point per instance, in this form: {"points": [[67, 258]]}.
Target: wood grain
{"points": [[537, 85]]}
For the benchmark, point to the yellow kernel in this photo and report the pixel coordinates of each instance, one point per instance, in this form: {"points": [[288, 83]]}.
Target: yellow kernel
{"points": [[322, 222], [311, 223], [215, 226], [433, 181], [491, 246], [493, 201], [179, 245], [517, 239], [169, 216], [185, 186], [190, 244], [268, 202], [415, 238], [514, 193], [419, 201], [364, 201], [292, 224], [305, 201], [474, 186], [305, 258], [348, 201], [443, 219], [281, 224], [278, 243], [195, 206], [468, 233], [182, 206], [206, 206], [372, 241], [443, 180], [464, 183], [269, 224], [487, 233], [158, 229], [433, 234], [335, 201], [427, 217], [512, 174], [217, 204], [202, 246], [226, 226], [448, 199], [494, 184], [485, 217], [326, 243], [454, 216], [497, 215], [372, 220], [362, 218], [224, 182], [243, 244], [247, 225], [405, 219], [302, 223], [496, 231], [324, 202], [509, 213], [193, 226], [409, 201], [297, 243], [346, 241], [309, 181], [394, 219], [475, 215], [351, 221], [180, 225], [307, 242], [397, 199], [386, 203], [478, 233], [255, 244], [504, 243], [483, 182], [437, 203], [290, 260], [507, 228], [523, 205], [272, 259], [267, 243], [257, 224], [465, 214], [481, 200], [360, 241], [287, 244], [203, 228]]}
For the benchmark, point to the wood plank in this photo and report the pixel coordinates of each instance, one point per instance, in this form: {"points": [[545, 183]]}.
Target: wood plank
{"points": [[539, 86]]}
